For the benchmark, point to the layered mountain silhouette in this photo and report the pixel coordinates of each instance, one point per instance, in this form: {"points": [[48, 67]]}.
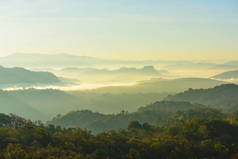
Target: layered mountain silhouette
{"points": [[22, 77], [50, 102], [68, 60], [146, 70], [48, 60], [193, 103], [164, 85]]}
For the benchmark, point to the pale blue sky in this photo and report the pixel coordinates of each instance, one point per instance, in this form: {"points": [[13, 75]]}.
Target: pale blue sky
{"points": [[168, 29]]}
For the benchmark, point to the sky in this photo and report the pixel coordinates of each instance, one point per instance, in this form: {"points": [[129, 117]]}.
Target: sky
{"points": [[122, 29]]}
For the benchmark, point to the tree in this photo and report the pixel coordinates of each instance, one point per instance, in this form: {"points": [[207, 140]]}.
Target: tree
{"points": [[134, 125]]}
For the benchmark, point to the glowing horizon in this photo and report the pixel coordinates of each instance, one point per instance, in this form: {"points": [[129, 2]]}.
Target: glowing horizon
{"points": [[122, 29]]}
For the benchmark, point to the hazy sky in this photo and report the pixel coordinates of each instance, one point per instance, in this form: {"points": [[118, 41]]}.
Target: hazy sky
{"points": [[151, 29]]}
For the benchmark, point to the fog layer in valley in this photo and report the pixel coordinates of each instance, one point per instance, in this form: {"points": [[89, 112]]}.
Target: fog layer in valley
{"points": [[43, 86]]}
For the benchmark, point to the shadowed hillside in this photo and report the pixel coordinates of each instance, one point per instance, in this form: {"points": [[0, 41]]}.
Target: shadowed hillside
{"points": [[157, 113], [224, 97], [10, 104]]}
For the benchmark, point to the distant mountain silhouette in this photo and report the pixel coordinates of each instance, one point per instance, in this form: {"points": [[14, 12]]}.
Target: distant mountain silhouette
{"points": [[146, 70], [235, 63], [48, 60], [225, 66], [21, 77], [227, 75], [164, 85], [67, 60]]}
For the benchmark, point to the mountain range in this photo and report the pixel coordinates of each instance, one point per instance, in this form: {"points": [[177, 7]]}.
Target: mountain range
{"points": [[50, 102], [68, 60], [146, 70], [48, 60], [193, 103]]}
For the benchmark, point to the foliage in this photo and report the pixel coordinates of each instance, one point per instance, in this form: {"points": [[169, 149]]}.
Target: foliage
{"points": [[195, 138], [158, 113], [222, 97]]}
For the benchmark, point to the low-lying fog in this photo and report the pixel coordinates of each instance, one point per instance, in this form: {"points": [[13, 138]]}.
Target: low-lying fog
{"points": [[45, 86], [90, 78], [84, 78]]}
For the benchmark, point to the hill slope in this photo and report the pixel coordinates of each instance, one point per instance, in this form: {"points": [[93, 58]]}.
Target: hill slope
{"points": [[10, 104], [163, 85], [227, 75], [156, 113], [224, 96], [53, 102], [22, 77]]}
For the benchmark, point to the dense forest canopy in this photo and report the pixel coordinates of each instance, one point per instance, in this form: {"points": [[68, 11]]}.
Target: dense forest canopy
{"points": [[212, 136], [170, 128]]}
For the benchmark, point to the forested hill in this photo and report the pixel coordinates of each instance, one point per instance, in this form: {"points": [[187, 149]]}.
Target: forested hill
{"points": [[223, 96], [210, 138], [157, 113]]}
